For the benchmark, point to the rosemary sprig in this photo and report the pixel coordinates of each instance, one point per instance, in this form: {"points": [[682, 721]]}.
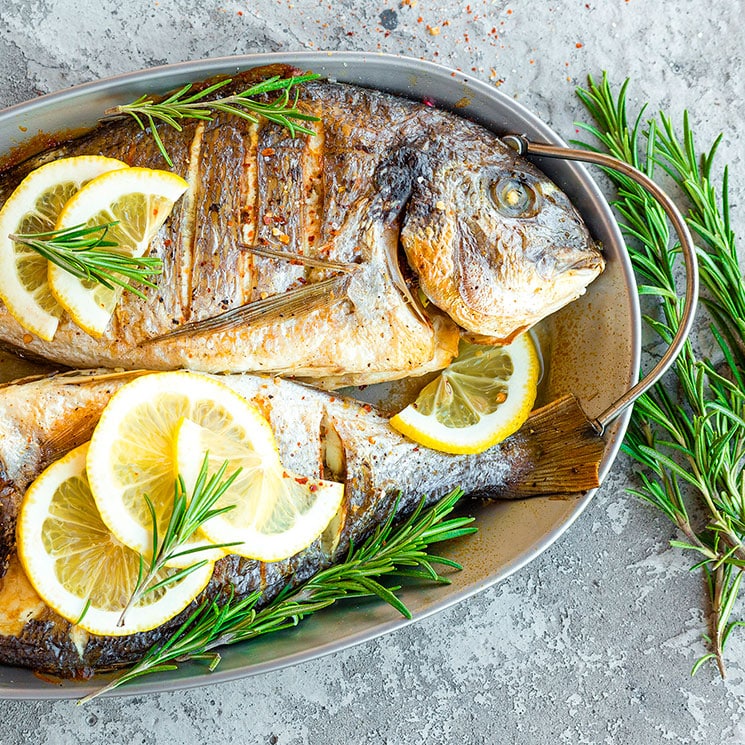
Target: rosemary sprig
{"points": [[691, 445], [80, 250], [389, 552], [179, 105], [186, 516]]}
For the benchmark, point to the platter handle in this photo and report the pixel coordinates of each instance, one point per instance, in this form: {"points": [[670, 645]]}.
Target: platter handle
{"points": [[523, 146]]}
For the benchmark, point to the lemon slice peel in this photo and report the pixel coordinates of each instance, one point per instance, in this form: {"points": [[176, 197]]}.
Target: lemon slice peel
{"points": [[277, 512], [33, 207], [138, 200], [79, 569], [484, 396], [132, 451]]}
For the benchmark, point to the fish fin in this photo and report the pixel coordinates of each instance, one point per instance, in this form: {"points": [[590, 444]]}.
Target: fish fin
{"points": [[397, 277], [75, 377], [566, 452], [307, 297], [69, 436], [294, 258]]}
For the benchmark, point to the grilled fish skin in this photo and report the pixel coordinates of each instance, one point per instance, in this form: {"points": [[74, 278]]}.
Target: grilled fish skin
{"points": [[318, 434], [489, 240]]}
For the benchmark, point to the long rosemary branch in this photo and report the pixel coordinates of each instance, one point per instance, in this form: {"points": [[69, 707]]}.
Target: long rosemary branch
{"points": [[185, 518], [691, 445], [389, 552], [83, 251], [178, 106]]}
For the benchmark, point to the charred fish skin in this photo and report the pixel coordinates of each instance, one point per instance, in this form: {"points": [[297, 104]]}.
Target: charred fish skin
{"points": [[491, 242], [317, 434]]}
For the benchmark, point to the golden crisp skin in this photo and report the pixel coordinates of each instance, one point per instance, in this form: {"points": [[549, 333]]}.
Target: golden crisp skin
{"points": [[381, 172]]}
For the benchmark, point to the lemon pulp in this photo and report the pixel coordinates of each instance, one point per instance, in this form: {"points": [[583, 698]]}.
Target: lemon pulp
{"points": [[481, 398]]}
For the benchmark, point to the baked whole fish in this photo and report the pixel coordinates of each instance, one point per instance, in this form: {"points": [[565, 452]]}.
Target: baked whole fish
{"points": [[318, 434], [357, 254]]}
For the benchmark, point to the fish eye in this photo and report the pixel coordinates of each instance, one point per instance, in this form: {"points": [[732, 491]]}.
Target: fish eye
{"points": [[514, 198]]}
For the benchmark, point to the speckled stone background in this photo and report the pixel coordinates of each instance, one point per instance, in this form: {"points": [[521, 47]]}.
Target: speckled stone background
{"points": [[594, 641]]}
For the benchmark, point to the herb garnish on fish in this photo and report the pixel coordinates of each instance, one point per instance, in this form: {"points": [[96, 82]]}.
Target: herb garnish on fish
{"points": [[388, 552], [691, 442], [282, 110], [185, 519], [81, 251]]}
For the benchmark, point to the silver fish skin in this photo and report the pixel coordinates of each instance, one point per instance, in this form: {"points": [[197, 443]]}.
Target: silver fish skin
{"points": [[318, 434], [438, 228]]}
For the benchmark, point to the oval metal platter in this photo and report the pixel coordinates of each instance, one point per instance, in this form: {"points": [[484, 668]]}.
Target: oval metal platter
{"points": [[591, 348]]}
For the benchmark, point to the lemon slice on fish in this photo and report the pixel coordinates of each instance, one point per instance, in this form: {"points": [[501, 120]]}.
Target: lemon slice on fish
{"points": [[480, 399], [132, 448], [275, 513], [34, 207], [73, 560], [139, 200]]}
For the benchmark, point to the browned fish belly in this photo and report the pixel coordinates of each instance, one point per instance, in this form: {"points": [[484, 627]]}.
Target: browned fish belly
{"points": [[318, 435], [380, 174]]}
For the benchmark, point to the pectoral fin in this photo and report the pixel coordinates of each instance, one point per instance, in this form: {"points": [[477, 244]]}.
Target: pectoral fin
{"points": [[285, 305]]}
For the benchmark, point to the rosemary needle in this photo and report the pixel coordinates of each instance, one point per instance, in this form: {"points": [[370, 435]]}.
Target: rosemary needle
{"points": [[186, 517], [389, 552], [180, 105], [690, 443], [82, 251]]}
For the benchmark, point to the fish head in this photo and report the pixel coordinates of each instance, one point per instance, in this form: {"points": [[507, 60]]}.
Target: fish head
{"points": [[495, 243]]}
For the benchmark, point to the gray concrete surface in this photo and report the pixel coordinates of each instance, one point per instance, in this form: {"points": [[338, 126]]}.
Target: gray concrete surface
{"points": [[593, 642]]}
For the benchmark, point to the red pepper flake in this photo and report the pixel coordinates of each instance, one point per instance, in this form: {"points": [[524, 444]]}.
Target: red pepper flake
{"points": [[301, 479], [367, 408], [579, 45], [240, 12], [428, 101], [419, 20], [267, 152], [313, 488], [167, 242], [27, 338]]}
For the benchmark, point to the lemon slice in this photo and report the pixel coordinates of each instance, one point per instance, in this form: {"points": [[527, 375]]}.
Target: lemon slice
{"points": [[140, 199], [132, 448], [72, 559], [480, 399], [33, 208], [275, 513]]}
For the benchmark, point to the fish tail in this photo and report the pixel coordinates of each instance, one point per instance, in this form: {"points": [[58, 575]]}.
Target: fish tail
{"points": [[566, 452]]}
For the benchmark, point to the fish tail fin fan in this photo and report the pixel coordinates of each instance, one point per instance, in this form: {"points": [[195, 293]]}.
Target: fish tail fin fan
{"points": [[566, 452]]}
